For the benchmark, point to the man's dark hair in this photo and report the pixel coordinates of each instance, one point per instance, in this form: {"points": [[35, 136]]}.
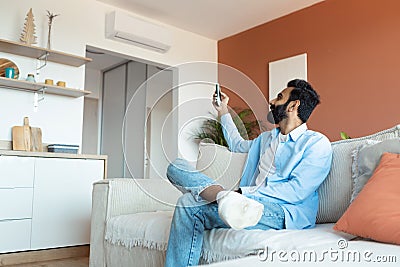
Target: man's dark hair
{"points": [[304, 92]]}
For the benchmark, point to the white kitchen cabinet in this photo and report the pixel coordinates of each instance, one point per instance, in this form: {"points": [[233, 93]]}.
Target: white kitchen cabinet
{"points": [[45, 199], [16, 196], [62, 201]]}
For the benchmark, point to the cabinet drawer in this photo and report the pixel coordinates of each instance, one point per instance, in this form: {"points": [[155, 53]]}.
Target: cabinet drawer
{"points": [[15, 235], [16, 171], [16, 203]]}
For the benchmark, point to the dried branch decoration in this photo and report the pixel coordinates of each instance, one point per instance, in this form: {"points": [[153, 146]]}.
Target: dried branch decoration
{"points": [[28, 33], [51, 17]]}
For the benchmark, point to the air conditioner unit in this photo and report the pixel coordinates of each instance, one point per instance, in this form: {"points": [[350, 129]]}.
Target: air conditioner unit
{"points": [[125, 28]]}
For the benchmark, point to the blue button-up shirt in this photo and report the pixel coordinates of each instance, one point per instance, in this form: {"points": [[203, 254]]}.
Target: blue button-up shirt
{"points": [[302, 164]]}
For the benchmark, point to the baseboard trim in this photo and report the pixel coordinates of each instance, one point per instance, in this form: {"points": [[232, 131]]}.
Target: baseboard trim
{"points": [[24, 257]]}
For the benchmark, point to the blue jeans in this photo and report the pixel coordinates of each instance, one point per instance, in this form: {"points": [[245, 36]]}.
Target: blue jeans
{"points": [[193, 215]]}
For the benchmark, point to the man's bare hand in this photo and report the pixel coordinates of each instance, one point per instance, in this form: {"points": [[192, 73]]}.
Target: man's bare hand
{"points": [[223, 107]]}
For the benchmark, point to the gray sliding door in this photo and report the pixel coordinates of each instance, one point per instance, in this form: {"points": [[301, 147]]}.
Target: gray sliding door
{"points": [[125, 143]]}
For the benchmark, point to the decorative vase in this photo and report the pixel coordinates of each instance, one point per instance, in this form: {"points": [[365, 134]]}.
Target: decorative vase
{"points": [[31, 78]]}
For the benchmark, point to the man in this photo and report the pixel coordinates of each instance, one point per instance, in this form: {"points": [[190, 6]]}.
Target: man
{"points": [[279, 183]]}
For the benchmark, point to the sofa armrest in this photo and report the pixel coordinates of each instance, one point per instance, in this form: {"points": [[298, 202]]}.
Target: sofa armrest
{"points": [[113, 197]]}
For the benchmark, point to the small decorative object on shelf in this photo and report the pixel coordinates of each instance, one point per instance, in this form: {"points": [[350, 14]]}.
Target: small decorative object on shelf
{"points": [[31, 78], [49, 81], [28, 33], [10, 72], [61, 83], [51, 17], [8, 69]]}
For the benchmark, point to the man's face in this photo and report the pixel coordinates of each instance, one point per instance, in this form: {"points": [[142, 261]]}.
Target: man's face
{"points": [[278, 106]]}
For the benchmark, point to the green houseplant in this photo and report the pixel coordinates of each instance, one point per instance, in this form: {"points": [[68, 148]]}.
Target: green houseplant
{"points": [[344, 136], [247, 125]]}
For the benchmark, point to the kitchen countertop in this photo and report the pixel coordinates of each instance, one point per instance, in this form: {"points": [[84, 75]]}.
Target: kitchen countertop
{"points": [[50, 155]]}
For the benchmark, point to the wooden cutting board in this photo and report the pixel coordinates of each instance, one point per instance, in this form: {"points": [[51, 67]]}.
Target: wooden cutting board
{"points": [[26, 138], [36, 139], [21, 136]]}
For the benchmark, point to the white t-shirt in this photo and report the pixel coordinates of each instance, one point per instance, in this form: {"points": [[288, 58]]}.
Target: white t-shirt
{"points": [[267, 161]]}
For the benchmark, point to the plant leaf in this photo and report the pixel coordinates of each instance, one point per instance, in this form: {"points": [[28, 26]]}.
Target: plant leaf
{"points": [[244, 120], [344, 136]]}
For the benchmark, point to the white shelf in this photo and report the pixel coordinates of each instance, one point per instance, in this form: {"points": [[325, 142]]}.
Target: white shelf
{"points": [[35, 87], [37, 52]]}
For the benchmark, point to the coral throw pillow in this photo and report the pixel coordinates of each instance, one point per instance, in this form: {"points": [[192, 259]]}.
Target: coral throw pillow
{"points": [[375, 213]]}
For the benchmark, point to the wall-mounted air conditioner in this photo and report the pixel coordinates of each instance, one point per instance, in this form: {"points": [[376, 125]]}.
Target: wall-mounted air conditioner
{"points": [[125, 28]]}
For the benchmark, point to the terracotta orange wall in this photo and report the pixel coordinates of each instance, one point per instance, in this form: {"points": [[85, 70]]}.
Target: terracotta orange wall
{"points": [[353, 49]]}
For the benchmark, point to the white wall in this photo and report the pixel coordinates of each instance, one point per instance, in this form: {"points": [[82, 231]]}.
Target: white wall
{"points": [[160, 145], [93, 82], [197, 85], [90, 126], [81, 23]]}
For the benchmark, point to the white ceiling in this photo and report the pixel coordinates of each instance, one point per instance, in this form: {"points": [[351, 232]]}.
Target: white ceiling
{"points": [[215, 19]]}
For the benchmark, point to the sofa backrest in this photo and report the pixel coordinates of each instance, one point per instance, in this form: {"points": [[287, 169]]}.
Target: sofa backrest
{"points": [[335, 192]]}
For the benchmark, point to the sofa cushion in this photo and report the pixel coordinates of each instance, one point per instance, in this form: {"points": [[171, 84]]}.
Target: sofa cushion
{"points": [[219, 163], [335, 192], [225, 244], [374, 213], [368, 159], [359, 253], [143, 229], [151, 230]]}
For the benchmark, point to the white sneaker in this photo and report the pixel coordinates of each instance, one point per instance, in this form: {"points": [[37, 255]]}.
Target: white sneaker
{"points": [[238, 211]]}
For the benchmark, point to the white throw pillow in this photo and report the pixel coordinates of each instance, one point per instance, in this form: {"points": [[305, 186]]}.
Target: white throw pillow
{"points": [[355, 171], [218, 163], [369, 158]]}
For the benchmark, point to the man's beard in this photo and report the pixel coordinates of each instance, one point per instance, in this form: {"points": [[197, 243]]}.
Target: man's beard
{"points": [[277, 113]]}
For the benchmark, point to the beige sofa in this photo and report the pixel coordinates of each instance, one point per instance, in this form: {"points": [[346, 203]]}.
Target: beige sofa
{"points": [[131, 217]]}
